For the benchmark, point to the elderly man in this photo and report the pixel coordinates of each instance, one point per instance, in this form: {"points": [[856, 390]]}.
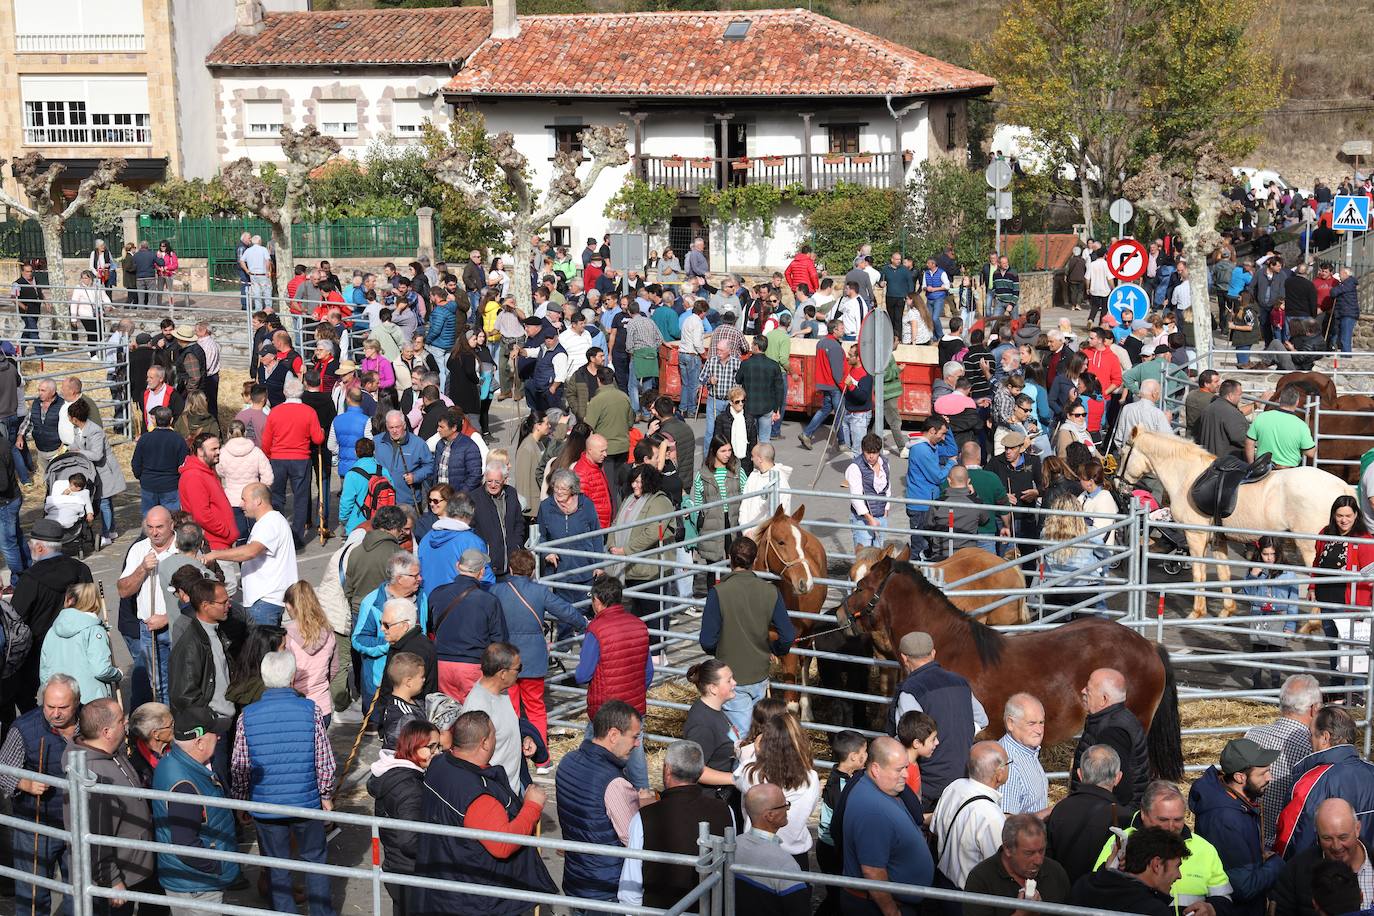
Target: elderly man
{"points": [[39, 596], [282, 756], [1020, 860], [1202, 885], [37, 742], [670, 825], [467, 619], [41, 425], [1027, 788], [292, 428], [1226, 805], [718, 378], [1109, 722], [269, 557], [403, 580], [1338, 840], [1082, 822], [881, 841], [406, 459], [758, 847], [968, 818], [1223, 426], [1291, 735], [496, 517], [1334, 769], [403, 633], [500, 667], [140, 578], [448, 540], [1142, 413], [947, 698]]}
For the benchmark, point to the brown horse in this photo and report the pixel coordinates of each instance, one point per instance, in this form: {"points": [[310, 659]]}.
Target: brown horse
{"points": [[797, 558], [894, 599], [1339, 441], [967, 561]]}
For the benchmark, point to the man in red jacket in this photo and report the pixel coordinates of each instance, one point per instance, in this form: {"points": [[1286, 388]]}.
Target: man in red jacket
{"points": [[292, 427], [203, 495], [803, 270], [592, 475], [615, 664]]}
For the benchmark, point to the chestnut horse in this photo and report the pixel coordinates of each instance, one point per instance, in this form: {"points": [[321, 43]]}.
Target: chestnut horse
{"points": [[894, 599], [1340, 440], [798, 559], [967, 561]]}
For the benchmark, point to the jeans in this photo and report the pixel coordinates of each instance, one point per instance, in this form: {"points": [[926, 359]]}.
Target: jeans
{"points": [[52, 854], [30, 331], [937, 306], [260, 292], [441, 357], [633, 390], [739, 709], [1346, 331], [866, 535], [12, 541], [265, 613], [765, 424], [714, 406], [199, 897], [637, 767], [140, 691], [857, 425], [689, 370], [1242, 355], [168, 498], [297, 471], [918, 519], [21, 467], [107, 515], [274, 840], [830, 403], [164, 654], [777, 424]]}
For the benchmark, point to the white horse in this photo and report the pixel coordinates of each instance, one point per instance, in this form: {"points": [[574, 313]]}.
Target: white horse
{"points": [[1292, 499]]}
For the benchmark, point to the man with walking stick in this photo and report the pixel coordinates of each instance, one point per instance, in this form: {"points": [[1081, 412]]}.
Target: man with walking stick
{"points": [[139, 577], [37, 742]]}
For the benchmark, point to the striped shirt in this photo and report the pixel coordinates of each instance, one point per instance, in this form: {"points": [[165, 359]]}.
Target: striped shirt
{"points": [[1293, 742], [1028, 788]]}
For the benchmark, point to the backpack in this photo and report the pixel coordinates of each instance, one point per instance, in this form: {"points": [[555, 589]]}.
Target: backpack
{"points": [[379, 493], [18, 640]]}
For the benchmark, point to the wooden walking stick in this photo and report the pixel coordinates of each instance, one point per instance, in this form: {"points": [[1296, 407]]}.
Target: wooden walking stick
{"points": [[357, 741], [37, 822], [324, 497], [829, 441]]}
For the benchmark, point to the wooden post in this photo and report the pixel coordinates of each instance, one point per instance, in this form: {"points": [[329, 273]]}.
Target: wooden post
{"points": [[723, 160], [806, 150]]}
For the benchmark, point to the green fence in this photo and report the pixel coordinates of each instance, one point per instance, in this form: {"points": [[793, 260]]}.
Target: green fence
{"points": [[344, 238], [23, 239]]}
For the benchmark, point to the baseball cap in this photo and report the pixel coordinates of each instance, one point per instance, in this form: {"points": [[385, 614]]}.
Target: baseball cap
{"points": [[1242, 753], [268, 350], [916, 645], [6, 348], [1140, 324], [1147, 350], [198, 721]]}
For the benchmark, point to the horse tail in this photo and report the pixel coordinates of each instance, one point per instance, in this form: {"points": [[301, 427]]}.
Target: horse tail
{"points": [[1165, 739]]}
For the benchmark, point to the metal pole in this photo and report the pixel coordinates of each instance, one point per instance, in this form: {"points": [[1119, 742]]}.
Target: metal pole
{"points": [[997, 212], [727, 861], [376, 869], [877, 409], [77, 850]]}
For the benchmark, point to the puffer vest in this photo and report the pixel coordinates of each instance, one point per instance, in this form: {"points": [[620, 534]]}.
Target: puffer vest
{"points": [[581, 781], [280, 729], [876, 507], [620, 672], [349, 427], [542, 377], [216, 830], [947, 698], [41, 740], [275, 382]]}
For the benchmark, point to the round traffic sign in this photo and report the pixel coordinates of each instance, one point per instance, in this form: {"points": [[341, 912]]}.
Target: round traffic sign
{"points": [[875, 342], [998, 174], [1128, 296], [1121, 210], [1127, 259]]}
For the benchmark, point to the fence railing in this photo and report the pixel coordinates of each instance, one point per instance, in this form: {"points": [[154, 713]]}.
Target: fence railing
{"points": [[810, 171], [343, 238], [23, 239]]}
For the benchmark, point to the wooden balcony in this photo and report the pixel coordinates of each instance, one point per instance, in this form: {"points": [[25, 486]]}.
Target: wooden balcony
{"points": [[813, 171]]}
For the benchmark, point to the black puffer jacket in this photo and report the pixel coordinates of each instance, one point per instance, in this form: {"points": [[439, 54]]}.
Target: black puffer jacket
{"points": [[397, 786]]}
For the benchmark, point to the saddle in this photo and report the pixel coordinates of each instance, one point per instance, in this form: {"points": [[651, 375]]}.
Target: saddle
{"points": [[1216, 492]]}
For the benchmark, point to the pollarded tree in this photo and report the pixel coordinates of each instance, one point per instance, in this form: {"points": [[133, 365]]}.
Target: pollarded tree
{"points": [[1191, 198], [37, 177], [505, 198], [306, 150]]}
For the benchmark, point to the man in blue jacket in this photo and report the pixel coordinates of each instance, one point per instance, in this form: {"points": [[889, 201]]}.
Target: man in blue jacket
{"points": [[457, 459], [406, 459], [1226, 803], [1345, 299], [443, 320], [441, 548], [1334, 769], [928, 464]]}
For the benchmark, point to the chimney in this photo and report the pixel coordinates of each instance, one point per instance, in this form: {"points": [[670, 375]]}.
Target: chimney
{"points": [[248, 17], [503, 21]]}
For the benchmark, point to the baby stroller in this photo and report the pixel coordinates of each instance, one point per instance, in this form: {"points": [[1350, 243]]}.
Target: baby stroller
{"points": [[78, 539], [1168, 541]]}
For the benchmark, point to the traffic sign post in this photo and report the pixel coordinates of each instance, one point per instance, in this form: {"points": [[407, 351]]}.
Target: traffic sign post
{"points": [[1127, 260], [1121, 212], [1350, 214], [998, 175], [875, 352], [1128, 296]]}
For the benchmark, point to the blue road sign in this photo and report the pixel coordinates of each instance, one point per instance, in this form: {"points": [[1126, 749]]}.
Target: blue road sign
{"points": [[1350, 214], [1129, 296]]}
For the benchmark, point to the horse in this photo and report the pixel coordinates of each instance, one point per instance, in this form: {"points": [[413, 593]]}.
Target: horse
{"points": [[894, 599], [1340, 446], [965, 562], [798, 559], [1291, 499]]}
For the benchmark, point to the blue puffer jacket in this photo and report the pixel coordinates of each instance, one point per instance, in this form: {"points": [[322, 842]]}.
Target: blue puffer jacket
{"points": [[555, 525], [1233, 827], [440, 549], [525, 619], [413, 457], [280, 731], [368, 639], [176, 771], [442, 325], [581, 780], [348, 429], [355, 490]]}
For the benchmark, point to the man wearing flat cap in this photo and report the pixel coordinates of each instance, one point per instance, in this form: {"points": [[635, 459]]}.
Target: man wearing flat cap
{"points": [[948, 699], [544, 366], [1226, 805]]}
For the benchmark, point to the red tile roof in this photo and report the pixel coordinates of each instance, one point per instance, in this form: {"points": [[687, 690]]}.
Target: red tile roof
{"points": [[358, 37], [685, 54]]}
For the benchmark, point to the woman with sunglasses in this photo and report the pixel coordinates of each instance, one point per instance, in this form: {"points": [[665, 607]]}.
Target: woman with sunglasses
{"points": [[397, 786], [436, 504], [1074, 429]]}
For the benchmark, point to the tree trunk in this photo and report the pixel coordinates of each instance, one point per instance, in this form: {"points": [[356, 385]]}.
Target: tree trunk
{"points": [[56, 320], [286, 261], [1196, 258], [522, 252], [1086, 198]]}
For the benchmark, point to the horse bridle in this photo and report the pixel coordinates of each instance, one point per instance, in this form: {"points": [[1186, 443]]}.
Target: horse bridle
{"points": [[786, 564], [852, 627]]}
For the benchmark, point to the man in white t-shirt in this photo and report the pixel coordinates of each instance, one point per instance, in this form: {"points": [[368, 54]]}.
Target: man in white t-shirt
{"points": [[850, 311], [139, 577], [269, 557]]}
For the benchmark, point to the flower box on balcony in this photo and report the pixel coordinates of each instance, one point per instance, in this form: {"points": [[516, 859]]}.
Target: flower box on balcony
{"points": [[705, 162], [861, 159], [772, 162], [674, 162], [907, 156], [833, 159], [739, 165]]}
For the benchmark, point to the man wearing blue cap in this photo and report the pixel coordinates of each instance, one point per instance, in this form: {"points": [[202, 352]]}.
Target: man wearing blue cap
{"points": [[545, 367]]}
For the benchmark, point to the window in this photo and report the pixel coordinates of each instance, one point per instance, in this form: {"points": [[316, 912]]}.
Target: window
{"points": [[844, 138], [568, 139], [560, 236], [338, 117], [109, 111], [737, 30], [46, 26], [262, 117], [408, 117]]}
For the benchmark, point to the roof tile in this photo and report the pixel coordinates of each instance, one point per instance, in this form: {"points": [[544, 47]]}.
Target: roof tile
{"points": [[358, 37]]}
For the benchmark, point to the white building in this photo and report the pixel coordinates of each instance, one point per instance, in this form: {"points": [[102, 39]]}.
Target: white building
{"points": [[783, 97]]}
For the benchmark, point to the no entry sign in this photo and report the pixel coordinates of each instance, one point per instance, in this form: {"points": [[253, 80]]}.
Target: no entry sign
{"points": [[1127, 260]]}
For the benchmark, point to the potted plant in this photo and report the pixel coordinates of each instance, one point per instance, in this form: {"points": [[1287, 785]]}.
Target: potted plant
{"points": [[772, 162], [861, 159], [704, 162], [740, 164], [834, 159], [673, 162]]}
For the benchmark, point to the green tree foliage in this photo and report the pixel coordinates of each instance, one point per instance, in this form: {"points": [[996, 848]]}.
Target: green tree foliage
{"points": [[845, 217], [106, 205], [946, 204], [465, 228], [642, 205], [741, 205], [195, 198], [391, 180]]}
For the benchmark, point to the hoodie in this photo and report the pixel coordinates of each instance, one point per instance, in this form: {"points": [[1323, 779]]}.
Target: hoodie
{"points": [[241, 462], [440, 549], [78, 645], [316, 665], [1110, 889], [398, 787], [1233, 827], [203, 495]]}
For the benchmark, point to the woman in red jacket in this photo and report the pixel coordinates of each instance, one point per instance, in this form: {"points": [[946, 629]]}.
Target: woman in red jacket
{"points": [[1345, 521]]}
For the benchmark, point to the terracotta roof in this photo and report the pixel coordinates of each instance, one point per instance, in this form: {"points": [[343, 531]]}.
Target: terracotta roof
{"points": [[686, 54], [358, 37]]}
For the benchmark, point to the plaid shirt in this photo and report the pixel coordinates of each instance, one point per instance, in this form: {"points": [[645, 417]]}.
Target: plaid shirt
{"points": [[241, 766], [719, 377], [1028, 788], [641, 332], [729, 332], [1293, 742]]}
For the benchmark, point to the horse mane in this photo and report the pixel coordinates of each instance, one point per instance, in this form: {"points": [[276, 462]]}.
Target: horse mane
{"points": [[1171, 447], [986, 641]]}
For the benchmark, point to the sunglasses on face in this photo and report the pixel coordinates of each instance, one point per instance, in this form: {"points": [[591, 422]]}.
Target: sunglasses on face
{"points": [[1078, 414]]}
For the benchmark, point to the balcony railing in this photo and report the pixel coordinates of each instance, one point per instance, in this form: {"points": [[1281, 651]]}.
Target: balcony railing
{"points": [[88, 136], [54, 43], [812, 171]]}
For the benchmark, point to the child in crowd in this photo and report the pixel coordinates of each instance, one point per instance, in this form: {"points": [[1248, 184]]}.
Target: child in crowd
{"points": [[69, 502], [849, 751], [405, 674], [919, 735]]}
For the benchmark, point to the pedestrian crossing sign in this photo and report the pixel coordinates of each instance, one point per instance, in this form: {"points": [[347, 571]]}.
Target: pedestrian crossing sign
{"points": [[1351, 214]]}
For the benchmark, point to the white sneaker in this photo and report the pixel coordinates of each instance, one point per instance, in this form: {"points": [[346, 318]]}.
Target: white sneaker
{"points": [[542, 771], [105, 542], [906, 450]]}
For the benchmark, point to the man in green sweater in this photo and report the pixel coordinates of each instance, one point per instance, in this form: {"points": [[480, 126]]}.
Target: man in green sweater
{"points": [[610, 414]]}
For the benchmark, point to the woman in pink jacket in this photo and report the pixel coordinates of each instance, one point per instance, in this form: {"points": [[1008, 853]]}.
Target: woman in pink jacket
{"points": [[374, 361], [311, 640], [241, 463]]}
